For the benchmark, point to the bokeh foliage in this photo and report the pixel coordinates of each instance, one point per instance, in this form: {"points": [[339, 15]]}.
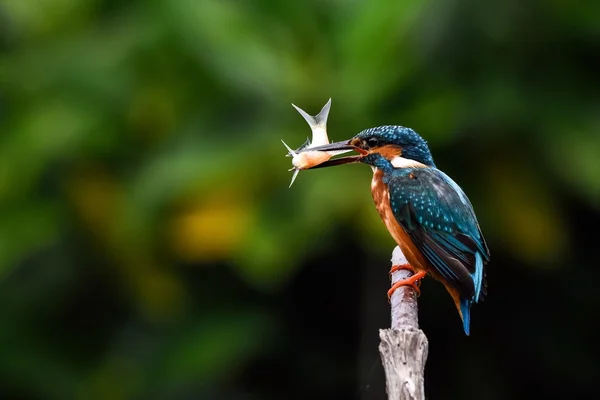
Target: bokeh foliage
{"points": [[141, 167]]}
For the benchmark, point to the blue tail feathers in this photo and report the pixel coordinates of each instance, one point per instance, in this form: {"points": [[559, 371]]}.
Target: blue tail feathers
{"points": [[465, 304], [465, 309]]}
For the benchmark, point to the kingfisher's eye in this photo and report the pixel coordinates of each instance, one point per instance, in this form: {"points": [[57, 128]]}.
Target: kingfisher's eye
{"points": [[372, 142]]}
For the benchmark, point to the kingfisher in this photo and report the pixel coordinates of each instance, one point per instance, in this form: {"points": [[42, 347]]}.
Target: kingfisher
{"points": [[425, 211]]}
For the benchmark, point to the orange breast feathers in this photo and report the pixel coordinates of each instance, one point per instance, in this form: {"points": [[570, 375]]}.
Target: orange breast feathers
{"points": [[381, 197], [413, 255]]}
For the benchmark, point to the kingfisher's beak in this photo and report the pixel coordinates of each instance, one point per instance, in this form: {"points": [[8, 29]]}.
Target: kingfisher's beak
{"points": [[338, 148]]}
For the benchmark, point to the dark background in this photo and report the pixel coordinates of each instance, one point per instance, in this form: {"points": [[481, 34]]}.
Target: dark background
{"points": [[150, 247]]}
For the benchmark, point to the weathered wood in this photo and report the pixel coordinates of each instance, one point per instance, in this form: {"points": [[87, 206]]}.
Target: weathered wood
{"points": [[404, 346]]}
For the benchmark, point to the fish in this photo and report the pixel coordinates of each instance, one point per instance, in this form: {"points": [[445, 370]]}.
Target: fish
{"points": [[304, 158]]}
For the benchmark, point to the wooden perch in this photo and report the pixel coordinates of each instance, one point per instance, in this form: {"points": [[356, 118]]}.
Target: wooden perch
{"points": [[404, 346]]}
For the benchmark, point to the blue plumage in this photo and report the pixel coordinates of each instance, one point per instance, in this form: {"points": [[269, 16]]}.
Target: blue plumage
{"points": [[465, 310], [434, 211], [413, 145], [432, 218], [440, 220], [478, 275]]}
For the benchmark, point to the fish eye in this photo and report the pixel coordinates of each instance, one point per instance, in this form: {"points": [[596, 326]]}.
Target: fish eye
{"points": [[372, 142]]}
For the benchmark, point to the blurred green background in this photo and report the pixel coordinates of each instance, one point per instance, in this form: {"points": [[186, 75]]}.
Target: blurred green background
{"points": [[150, 247]]}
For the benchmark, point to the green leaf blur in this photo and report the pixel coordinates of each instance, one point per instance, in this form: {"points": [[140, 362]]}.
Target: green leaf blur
{"points": [[146, 224]]}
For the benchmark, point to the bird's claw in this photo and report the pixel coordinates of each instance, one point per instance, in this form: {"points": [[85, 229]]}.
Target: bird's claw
{"points": [[414, 280]]}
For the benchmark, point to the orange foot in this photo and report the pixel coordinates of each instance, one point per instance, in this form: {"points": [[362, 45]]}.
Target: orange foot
{"points": [[413, 281]]}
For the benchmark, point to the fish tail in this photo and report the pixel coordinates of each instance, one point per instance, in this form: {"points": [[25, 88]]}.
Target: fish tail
{"points": [[319, 120]]}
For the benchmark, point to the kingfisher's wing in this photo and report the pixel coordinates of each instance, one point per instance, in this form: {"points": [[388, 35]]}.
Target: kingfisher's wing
{"points": [[439, 218]]}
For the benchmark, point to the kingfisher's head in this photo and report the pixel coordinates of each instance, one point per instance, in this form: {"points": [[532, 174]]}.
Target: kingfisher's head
{"points": [[384, 147]]}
